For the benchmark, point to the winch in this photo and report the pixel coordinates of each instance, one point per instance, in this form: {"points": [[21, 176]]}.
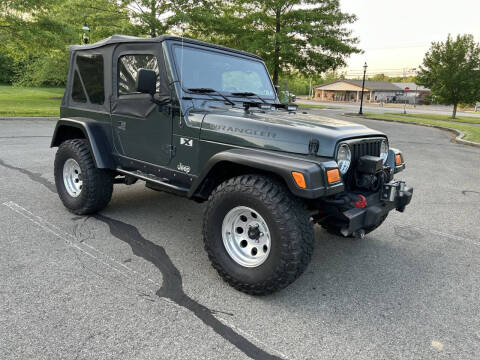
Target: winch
{"points": [[370, 173]]}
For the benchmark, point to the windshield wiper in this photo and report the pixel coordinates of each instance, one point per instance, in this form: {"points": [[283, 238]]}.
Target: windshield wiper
{"points": [[209, 91], [248, 94]]}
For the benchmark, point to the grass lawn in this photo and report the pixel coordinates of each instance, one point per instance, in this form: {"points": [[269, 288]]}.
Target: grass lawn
{"points": [[472, 133], [18, 101], [314, 106], [462, 119]]}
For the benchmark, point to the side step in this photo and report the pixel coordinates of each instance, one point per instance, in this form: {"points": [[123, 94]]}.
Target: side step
{"points": [[160, 183]]}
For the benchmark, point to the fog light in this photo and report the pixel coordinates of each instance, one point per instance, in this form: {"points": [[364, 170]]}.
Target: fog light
{"points": [[299, 179], [333, 176]]}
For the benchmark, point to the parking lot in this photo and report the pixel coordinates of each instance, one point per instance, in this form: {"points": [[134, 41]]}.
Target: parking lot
{"points": [[134, 282]]}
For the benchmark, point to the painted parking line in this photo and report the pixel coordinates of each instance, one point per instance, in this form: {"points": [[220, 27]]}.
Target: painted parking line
{"points": [[238, 337]]}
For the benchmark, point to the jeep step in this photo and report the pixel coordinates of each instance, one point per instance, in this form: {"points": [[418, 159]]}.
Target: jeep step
{"points": [[154, 182]]}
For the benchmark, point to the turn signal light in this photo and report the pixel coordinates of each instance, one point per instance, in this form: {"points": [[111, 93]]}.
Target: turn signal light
{"points": [[333, 176], [398, 159], [299, 179]]}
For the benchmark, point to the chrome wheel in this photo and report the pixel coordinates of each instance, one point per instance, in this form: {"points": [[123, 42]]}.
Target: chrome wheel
{"points": [[246, 236], [72, 177]]}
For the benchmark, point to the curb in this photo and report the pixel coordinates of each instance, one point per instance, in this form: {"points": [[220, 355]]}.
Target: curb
{"points": [[41, 118], [458, 138]]}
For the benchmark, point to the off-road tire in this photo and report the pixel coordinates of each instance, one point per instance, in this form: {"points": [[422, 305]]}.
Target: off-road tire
{"points": [[97, 183], [292, 235]]}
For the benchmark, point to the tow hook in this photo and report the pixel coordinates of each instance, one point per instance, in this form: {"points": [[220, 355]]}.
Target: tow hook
{"points": [[361, 203], [359, 234]]}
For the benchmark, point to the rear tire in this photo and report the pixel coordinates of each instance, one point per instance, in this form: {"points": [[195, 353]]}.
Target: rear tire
{"points": [[82, 187], [281, 216]]}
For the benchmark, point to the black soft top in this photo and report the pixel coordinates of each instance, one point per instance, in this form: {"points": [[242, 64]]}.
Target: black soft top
{"points": [[116, 39]]}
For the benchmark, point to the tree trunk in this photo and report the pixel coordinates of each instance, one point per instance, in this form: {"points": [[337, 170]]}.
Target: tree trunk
{"points": [[454, 114], [276, 56]]}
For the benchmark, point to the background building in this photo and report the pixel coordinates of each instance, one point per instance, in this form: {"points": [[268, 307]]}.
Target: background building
{"points": [[415, 95], [375, 91]]}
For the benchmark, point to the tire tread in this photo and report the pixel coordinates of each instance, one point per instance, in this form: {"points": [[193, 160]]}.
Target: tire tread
{"points": [[292, 219], [99, 188]]}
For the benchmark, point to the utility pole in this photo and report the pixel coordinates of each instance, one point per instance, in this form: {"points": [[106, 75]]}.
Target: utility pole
{"points": [[363, 88], [415, 97], [406, 97], [416, 88]]}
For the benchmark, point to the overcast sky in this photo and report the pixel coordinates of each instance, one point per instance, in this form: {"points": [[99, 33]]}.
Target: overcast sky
{"points": [[396, 34]]}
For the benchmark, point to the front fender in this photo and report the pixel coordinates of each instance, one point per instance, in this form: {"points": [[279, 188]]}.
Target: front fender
{"points": [[93, 131], [278, 164]]}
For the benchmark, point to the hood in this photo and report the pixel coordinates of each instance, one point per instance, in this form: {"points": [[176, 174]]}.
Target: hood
{"points": [[280, 130]]}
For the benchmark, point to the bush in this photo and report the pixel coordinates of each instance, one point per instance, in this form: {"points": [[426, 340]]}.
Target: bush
{"points": [[48, 70], [6, 70]]}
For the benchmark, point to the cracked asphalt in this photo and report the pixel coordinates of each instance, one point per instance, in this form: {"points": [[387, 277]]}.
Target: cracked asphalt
{"points": [[133, 282]]}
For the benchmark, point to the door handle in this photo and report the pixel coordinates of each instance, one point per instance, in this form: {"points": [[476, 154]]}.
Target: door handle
{"points": [[122, 125]]}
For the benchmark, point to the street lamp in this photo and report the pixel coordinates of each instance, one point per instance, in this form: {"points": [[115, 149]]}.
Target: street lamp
{"points": [[86, 32], [363, 88]]}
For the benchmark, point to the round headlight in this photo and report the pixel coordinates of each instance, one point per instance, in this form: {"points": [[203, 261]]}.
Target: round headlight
{"points": [[384, 150], [344, 158]]}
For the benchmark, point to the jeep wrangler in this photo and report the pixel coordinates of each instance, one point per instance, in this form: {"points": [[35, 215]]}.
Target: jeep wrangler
{"points": [[204, 122]]}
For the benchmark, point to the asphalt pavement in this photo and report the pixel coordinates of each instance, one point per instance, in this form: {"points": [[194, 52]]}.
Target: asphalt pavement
{"points": [[388, 108], [134, 282]]}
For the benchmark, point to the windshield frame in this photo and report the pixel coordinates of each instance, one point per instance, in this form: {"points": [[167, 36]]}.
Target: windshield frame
{"points": [[173, 44]]}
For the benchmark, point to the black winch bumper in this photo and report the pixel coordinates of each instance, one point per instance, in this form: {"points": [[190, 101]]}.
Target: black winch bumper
{"points": [[370, 210]]}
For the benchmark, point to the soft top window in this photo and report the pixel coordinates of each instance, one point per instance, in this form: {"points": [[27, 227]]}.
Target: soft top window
{"points": [[90, 69], [77, 90], [128, 66]]}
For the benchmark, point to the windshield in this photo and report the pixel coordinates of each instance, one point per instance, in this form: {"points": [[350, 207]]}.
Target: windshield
{"points": [[199, 68]]}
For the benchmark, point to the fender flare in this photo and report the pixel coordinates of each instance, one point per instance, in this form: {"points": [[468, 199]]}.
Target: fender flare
{"points": [[280, 165], [96, 134]]}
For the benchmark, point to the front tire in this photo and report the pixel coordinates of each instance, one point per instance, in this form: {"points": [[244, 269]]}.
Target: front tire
{"points": [[82, 187], [258, 236]]}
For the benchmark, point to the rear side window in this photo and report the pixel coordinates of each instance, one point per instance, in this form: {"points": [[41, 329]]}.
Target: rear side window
{"points": [[78, 94], [128, 66], [91, 73]]}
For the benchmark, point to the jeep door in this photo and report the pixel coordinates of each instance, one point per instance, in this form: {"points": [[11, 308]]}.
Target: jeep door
{"points": [[142, 129]]}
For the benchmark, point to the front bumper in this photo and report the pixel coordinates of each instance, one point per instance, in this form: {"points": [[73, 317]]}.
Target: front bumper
{"points": [[358, 220]]}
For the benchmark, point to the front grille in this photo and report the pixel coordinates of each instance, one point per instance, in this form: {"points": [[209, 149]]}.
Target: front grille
{"points": [[365, 148], [359, 149]]}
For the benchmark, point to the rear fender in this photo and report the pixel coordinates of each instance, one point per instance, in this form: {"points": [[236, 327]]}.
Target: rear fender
{"points": [[91, 130]]}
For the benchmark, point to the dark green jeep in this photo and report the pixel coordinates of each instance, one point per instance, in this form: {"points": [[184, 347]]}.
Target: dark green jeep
{"points": [[204, 122]]}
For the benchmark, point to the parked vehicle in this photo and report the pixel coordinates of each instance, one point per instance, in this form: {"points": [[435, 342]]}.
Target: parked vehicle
{"points": [[286, 97], [204, 122]]}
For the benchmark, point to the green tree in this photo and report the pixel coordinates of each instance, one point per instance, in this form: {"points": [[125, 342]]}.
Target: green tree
{"points": [[36, 34], [154, 17], [308, 36], [451, 70]]}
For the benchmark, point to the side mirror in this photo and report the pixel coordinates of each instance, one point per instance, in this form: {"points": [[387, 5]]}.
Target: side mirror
{"points": [[146, 81], [277, 89]]}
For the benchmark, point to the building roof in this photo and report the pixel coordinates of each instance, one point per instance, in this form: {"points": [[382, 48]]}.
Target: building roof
{"points": [[376, 85], [116, 39], [371, 85]]}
